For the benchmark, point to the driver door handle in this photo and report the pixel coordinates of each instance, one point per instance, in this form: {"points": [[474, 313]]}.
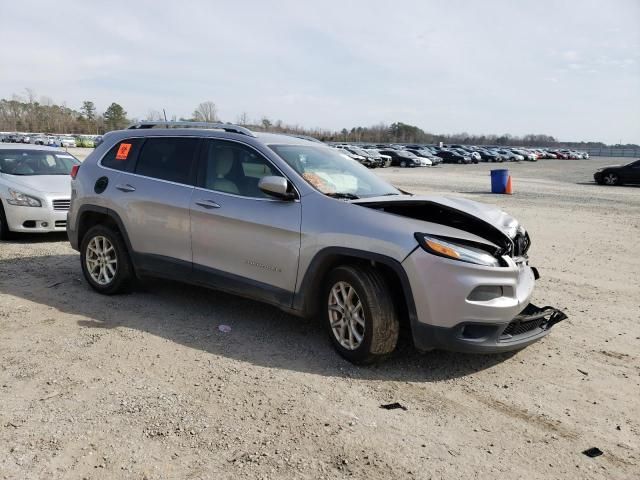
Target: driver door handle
{"points": [[207, 204], [126, 188]]}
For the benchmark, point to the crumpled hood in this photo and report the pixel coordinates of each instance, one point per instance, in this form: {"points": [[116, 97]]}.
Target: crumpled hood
{"points": [[42, 183], [488, 214]]}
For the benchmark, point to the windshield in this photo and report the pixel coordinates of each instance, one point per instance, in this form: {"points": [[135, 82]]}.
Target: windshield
{"points": [[331, 173], [36, 162]]}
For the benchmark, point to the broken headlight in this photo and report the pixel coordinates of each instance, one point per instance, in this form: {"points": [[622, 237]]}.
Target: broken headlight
{"points": [[449, 248]]}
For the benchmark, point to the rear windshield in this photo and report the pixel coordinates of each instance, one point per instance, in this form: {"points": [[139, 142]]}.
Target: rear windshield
{"points": [[36, 162]]}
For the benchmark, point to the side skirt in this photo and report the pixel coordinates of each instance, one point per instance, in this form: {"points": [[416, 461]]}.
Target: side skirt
{"points": [[179, 270]]}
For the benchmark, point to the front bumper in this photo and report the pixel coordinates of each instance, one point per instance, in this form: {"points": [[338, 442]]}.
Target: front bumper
{"points": [[528, 327], [450, 316], [35, 219]]}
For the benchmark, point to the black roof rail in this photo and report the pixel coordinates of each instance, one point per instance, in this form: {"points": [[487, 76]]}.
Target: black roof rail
{"points": [[227, 127]]}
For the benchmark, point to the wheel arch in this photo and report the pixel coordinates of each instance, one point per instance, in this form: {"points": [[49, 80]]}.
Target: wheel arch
{"points": [[307, 301], [90, 215]]}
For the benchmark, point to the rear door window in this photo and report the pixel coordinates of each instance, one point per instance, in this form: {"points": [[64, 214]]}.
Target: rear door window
{"points": [[168, 158], [123, 154]]}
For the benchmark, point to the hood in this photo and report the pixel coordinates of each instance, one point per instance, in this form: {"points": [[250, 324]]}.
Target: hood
{"points": [[483, 220], [43, 183]]}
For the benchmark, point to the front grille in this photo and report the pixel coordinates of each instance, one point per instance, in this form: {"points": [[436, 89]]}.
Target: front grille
{"points": [[61, 223], [61, 204], [530, 319], [518, 328]]}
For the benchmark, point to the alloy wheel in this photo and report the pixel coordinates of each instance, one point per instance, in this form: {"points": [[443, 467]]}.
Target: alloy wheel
{"points": [[611, 179], [346, 315], [101, 260]]}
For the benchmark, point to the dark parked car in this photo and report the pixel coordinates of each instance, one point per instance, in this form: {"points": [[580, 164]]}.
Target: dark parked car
{"points": [[489, 156], [401, 158], [448, 156], [425, 154], [618, 174]]}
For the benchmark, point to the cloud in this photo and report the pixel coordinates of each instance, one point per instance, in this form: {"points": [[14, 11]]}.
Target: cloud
{"points": [[493, 66]]}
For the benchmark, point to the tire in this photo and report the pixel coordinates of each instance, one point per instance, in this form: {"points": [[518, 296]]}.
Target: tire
{"points": [[380, 327], [459, 162], [117, 279], [611, 179], [5, 233], [403, 164]]}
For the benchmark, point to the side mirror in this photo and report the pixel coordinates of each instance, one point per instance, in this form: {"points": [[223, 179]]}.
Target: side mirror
{"points": [[278, 187]]}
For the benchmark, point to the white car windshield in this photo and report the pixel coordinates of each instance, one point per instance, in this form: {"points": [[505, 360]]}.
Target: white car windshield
{"points": [[36, 162], [333, 174]]}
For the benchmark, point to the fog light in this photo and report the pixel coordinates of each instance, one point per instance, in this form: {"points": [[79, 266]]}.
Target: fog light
{"points": [[485, 293], [44, 224]]}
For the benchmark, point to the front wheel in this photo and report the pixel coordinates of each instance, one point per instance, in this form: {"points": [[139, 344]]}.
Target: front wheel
{"points": [[360, 314], [105, 262], [403, 164], [611, 179]]}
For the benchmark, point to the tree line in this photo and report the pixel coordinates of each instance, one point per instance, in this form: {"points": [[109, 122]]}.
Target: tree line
{"points": [[29, 114]]}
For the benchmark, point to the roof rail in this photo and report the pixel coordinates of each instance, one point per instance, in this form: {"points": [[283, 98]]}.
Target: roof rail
{"points": [[227, 127]]}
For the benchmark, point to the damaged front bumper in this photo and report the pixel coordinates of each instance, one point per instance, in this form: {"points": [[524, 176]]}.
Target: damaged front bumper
{"points": [[529, 326]]}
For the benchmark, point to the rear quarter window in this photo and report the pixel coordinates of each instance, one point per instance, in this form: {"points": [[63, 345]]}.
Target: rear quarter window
{"points": [[123, 154]]}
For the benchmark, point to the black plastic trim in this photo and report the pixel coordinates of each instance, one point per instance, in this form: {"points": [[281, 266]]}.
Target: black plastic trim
{"points": [[428, 337], [72, 230], [309, 288], [186, 272]]}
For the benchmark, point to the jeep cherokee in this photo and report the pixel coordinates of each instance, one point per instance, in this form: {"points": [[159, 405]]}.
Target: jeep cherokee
{"points": [[294, 223]]}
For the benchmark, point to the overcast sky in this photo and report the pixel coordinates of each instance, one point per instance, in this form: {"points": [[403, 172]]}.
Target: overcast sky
{"points": [[566, 68]]}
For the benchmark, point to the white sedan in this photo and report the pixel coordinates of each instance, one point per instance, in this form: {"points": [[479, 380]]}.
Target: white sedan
{"points": [[35, 188]]}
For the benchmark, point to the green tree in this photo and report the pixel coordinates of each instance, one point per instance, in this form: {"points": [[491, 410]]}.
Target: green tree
{"points": [[88, 109], [115, 118]]}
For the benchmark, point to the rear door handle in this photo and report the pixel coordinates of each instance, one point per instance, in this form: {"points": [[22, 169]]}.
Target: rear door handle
{"points": [[207, 204], [126, 188]]}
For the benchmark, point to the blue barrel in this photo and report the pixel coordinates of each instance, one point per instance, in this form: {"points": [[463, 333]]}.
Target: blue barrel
{"points": [[499, 179]]}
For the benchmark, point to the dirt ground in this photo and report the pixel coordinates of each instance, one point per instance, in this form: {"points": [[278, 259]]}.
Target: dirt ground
{"points": [[146, 386]]}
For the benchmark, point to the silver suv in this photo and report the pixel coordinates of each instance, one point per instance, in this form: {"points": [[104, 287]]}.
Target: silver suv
{"points": [[294, 223]]}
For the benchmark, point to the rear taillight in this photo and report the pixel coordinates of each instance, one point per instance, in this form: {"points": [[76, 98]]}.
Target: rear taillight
{"points": [[74, 171]]}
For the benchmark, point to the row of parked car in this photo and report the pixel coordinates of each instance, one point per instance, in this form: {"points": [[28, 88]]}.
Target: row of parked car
{"points": [[374, 156], [50, 140]]}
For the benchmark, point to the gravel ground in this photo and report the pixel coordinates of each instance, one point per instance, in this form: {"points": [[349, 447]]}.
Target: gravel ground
{"points": [[146, 386]]}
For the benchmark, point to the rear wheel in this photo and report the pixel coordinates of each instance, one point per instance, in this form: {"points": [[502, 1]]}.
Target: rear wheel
{"points": [[360, 314], [105, 261]]}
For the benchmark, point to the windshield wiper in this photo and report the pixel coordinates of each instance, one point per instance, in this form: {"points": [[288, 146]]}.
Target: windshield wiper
{"points": [[349, 196]]}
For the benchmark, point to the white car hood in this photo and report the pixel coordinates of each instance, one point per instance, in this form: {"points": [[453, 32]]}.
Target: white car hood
{"points": [[41, 183]]}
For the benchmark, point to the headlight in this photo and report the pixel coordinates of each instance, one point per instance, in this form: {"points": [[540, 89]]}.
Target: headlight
{"points": [[22, 199], [456, 251]]}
